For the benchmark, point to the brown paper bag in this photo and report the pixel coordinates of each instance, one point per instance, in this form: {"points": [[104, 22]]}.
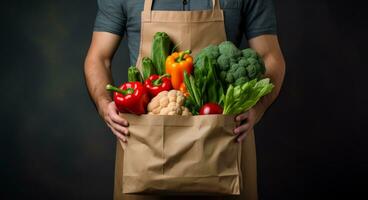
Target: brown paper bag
{"points": [[191, 155]]}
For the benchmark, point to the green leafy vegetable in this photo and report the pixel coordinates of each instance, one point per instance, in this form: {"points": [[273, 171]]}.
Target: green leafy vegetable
{"points": [[241, 98], [207, 81], [195, 96]]}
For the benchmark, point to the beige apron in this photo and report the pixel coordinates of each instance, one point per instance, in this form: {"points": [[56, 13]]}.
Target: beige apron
{"points": [[190, 30]]}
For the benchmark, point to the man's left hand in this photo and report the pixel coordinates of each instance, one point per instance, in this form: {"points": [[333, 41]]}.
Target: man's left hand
{"points": [[247, 121]]}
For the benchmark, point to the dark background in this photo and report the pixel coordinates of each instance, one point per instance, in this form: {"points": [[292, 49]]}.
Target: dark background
{"points": [[54, 146]]}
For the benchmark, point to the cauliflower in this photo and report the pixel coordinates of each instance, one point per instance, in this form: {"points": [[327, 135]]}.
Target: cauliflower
{"points": [[168, 103]]}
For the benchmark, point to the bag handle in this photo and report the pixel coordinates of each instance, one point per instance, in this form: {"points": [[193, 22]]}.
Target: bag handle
{"points": [[148, 5]]}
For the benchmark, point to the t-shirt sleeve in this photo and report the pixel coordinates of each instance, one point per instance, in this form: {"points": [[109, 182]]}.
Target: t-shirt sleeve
{"points": [[111, 17], [259, 18]]}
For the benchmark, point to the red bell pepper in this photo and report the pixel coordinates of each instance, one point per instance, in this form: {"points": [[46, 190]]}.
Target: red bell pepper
{"points": [[130, 97], [156, 84]]}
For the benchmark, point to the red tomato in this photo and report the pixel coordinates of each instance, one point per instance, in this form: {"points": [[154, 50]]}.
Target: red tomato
{"points": [[210, 108]]}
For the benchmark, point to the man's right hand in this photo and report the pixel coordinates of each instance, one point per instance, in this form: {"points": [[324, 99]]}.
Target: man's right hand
{"points": [[117, 124]]}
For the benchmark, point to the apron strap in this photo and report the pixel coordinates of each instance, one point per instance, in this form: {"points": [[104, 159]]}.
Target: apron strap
{"points": [[216, 4], [148, 5]]}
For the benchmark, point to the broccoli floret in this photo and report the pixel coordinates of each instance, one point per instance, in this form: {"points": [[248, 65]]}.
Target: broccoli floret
{"points": [[229, 49], [241, 81], [234, 67], [240, 72], [258, 67], [243, 62], [252, 71], [233, 61], [212, 52], [231, 70], [249, 53], [229, 77], [252, 61], [223, 62]]}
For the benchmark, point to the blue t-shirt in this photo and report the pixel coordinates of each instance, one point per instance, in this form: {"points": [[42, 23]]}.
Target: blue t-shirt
{"points": [[250, 18]]}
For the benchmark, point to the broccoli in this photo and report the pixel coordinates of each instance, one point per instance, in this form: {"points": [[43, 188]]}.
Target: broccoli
{"points": [[249, 53], [229, 49], [252, 61], [229, 77], [252, 71], [223, 62], [241, 81], [258, 67], [233, 61], [240, 72], [243, 62], [233, 68], [212, 52]]}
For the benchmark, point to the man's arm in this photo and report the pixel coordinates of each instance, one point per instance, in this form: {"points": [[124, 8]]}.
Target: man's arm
{"points": [[267, 46], [97, 71]]}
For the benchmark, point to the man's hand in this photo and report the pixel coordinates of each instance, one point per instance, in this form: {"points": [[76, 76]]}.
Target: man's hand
{"points": [[117, 124], [247, 121]]}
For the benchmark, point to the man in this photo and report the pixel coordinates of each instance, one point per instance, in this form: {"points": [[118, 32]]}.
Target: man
{"points": [[255, 19]]}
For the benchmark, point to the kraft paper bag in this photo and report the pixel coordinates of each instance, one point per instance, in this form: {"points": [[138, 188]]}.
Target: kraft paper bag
{"points": [[186, 155]]}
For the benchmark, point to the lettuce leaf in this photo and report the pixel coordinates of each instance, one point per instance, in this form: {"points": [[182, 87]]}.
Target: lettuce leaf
{"points": [[241, 98]]}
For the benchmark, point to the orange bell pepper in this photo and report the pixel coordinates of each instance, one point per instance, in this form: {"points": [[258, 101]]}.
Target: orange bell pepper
{"points": [[176, 64]]}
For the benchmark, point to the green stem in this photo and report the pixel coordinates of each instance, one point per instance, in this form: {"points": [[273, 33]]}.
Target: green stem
{"points": [[182, 54], [115, 89], [158, 81]]}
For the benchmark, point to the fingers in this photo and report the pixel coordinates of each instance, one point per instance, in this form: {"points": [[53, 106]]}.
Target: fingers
{"points": [[242, 117], [118, 120], [242, 137], [118, 134], [120, 129], [117, 124], [113, 114], [242, 129]]}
